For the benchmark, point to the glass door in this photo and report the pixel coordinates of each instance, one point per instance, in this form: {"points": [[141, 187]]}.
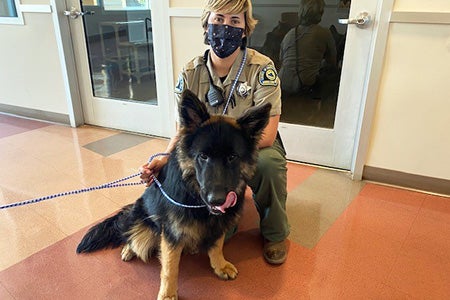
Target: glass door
{"points": [[115, 47], [320, 116]]}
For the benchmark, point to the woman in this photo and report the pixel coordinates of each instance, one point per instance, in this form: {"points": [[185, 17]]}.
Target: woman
{"points": [[231, 78]]}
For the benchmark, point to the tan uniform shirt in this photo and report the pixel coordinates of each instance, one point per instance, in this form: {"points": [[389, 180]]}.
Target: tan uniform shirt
{"points": [[257, 84]]}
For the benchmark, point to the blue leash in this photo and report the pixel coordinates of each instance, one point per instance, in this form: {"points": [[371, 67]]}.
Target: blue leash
{"points": [[170, 199], [99, 187], [112, 184]]}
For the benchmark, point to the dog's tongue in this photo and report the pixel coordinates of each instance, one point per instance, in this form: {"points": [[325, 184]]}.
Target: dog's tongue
{"points": [[230, 201]]}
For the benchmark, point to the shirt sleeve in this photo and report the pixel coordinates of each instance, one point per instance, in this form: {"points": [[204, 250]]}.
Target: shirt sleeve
{"points": [[180, 86], [267, 88]]}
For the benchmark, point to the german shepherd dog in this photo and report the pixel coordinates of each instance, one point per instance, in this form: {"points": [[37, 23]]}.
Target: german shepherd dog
{"points": [[214, 158]]}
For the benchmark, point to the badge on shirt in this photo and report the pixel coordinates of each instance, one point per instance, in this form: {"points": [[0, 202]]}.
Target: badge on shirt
{"points": [[243, 89], [268, 76], [179, 87]]}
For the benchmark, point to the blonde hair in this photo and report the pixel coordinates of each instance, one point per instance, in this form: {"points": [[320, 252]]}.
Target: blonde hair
{"points": [[230, 7]]}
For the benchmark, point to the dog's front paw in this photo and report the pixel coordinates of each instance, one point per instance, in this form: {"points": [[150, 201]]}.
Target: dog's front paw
{"points": [[127, 253], [167, 297], [167, 291], [226, 271]]}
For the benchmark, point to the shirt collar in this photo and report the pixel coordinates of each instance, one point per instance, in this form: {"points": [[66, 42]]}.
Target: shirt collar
{"points": [[231, 75]]}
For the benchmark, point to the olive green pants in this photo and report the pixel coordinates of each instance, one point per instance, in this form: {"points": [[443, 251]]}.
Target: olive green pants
{"points": [[270, 193]]}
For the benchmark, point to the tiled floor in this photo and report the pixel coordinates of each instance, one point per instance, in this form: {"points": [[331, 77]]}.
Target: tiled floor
{"points": [[349, 240]]}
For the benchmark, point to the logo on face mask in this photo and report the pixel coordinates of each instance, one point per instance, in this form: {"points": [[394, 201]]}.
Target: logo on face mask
{"points": [[224, 39]]}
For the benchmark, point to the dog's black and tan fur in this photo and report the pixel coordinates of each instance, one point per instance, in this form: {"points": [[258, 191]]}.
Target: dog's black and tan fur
{"points": [[215, 156]]}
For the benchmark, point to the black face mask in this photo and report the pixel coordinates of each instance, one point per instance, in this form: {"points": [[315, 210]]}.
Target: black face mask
{"points": [[224, 39]]}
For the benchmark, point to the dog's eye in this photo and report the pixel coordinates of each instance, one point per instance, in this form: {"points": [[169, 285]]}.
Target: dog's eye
{"points": [[232, 157], [203, 156]]}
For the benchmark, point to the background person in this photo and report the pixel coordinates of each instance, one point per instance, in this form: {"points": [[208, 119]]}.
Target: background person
{"points": [[306, 50]]}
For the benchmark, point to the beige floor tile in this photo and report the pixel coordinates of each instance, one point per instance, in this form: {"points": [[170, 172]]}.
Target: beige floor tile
{"points": [[99, 171], [32, 178], [107, 170], [66, 158], [314, 206], [80, 135], [22, 233], [39, 141], [9, 151], [72, 158], [71, 213]]}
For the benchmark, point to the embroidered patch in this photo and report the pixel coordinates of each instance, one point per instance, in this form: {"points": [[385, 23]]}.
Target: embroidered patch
{"points": [[268, 76], [179, 87]]}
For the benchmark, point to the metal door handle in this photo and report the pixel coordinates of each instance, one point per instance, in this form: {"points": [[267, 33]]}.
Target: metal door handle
{"points": [[361, 20], [75, 13]]}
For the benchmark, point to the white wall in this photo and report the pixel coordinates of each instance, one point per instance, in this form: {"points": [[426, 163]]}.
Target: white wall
{"points": [[422, 6], [412, 121], [30, 70], [181, 31]]}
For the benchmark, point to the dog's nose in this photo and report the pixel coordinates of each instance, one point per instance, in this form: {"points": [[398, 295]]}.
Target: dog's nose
{"points": [[215, 199], [230, 201]]}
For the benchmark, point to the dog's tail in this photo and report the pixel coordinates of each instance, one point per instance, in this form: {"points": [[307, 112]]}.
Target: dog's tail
{"points": [[107, 234]]}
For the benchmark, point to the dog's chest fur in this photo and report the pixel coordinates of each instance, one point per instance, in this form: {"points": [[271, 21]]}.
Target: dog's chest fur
{"points": [[197, 231]]}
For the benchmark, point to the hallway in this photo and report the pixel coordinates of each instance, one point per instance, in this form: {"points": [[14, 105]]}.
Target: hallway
{"points": [[349, 240]]}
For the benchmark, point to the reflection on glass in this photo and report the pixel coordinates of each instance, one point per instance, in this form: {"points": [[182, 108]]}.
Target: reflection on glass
{"points": [[120, 49], [8, 8], [306, 43]]}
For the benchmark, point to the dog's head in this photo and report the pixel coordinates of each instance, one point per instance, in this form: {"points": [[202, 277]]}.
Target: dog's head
{"points": [[218, 154]]}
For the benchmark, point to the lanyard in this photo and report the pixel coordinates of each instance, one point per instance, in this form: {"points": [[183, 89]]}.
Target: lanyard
{"points": [[214, 96], [241, 67]]}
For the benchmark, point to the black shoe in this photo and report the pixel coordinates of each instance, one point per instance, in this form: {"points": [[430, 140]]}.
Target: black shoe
{"points": [[275, 253]]}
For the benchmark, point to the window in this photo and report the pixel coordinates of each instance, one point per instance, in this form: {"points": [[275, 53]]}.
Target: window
{"points": [[90, 3], [10, 12], [126, 4], [8, 9]]}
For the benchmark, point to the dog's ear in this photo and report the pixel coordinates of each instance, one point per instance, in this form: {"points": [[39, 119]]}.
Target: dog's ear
{"points": [[192, 111], [255, 119]]}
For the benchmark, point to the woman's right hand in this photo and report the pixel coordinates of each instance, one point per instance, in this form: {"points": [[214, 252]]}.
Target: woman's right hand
{"points": [[152, 168]]}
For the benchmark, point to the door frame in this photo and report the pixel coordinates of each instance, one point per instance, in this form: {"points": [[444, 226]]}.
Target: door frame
{"points": [[72, 83], [370, 92], [366, 114], [68, 66]]}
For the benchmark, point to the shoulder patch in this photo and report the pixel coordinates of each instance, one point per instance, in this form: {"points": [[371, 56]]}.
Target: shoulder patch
{"points": [[179, 87], [268, 76]]}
